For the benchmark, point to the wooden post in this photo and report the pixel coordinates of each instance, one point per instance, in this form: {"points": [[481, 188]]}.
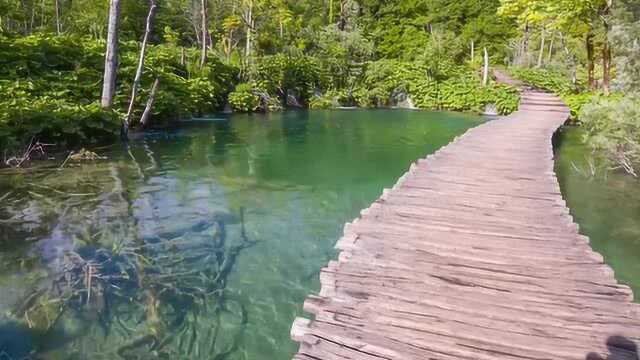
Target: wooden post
{"points": [[485, 73], [144, 120], [111, 56], [136, 81]]}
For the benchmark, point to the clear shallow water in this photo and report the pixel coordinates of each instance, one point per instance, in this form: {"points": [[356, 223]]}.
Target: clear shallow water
{"points": [[201, 243], [606, 204]]}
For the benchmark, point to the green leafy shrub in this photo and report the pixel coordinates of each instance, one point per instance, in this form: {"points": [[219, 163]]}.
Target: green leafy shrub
{"points": [[557, 83], [51, 85], [543, 79], [320, 102], [278, 74], [56, 121], [613, 127], [244, 99], [456, 88]]}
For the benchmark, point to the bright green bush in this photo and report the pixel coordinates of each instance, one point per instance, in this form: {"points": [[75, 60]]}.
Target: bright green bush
{"points": [[55, 121], [51, 85], [557, 83], [543, 79], [613, 127], [457, 88], [244, 98], [278, 74]]}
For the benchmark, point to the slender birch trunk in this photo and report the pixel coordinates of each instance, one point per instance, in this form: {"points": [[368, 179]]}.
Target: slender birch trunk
{"points": [[249, 21], [136, 81], [58, 25], [146, 115], [203, 31], [43, 9], [541, 53], [590, 60], [485, 72], [551, 43], [111, 56], [524, 53], [473, 51], [606, 50]]}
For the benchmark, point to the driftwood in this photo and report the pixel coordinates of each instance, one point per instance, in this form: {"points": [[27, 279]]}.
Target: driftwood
{"points": [[35, 147]]}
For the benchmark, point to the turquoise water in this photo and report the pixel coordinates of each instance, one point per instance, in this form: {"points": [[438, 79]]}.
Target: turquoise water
{"points": [[605, 203], [199, 243]]}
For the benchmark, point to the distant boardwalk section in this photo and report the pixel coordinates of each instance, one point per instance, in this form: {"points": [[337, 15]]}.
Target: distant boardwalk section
{"points": [[473, 255]]}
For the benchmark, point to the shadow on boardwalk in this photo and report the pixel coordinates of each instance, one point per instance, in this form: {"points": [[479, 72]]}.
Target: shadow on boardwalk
{"points": [[620, 348]]}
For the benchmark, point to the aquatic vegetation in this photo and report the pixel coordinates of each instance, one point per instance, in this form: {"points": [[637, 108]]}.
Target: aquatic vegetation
{"points": [[150, 293]]}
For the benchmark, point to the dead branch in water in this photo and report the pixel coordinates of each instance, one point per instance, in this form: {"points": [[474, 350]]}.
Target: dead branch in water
{"points": [[34, 147]]}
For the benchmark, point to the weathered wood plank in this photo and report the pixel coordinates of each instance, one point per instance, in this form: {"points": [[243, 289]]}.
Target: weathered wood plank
{"points": [[471, 255]]}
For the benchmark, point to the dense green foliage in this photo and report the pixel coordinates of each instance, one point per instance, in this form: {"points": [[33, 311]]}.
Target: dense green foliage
{"points": [[457, 88], [613, 127], [574, 95], [268, 55], [52, 87]]}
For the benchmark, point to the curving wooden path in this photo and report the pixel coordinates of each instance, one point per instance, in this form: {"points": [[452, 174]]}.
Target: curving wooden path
{"points": [[473, 255]]}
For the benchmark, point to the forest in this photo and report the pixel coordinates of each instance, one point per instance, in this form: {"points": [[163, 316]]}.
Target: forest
{"points": [[78, 72]]}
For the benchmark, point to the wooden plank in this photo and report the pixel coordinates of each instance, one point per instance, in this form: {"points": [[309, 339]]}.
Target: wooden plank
{"points": [[471, 255]]}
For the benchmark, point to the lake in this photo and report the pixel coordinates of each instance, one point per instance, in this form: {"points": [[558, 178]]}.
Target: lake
{"points": [[199, 243], [202, 242]]}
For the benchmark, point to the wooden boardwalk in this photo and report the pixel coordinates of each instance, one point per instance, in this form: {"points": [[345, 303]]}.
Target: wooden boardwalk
{"points": [[473, 255]]}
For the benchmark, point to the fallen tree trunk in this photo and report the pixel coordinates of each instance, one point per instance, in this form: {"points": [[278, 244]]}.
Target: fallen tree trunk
{"points": [[144, 120], [136, 81]]}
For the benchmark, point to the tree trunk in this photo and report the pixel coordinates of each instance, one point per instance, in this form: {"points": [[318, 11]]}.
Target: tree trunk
{"points": [[111, 56], [590, 61], [249, 22], [58, 26], [606, 50], [33, 18], [330, 11], [146, 115], [606, 67], [204, 32], [524, 51], [43, 8], [473, 51], [553, 37], [182, 56], [572, 60], [136, 81], [485, 73], [541, 54]]}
